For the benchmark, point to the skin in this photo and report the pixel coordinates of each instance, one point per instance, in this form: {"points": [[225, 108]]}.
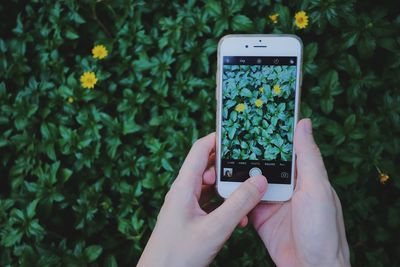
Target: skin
{"points": [[308, 230]]}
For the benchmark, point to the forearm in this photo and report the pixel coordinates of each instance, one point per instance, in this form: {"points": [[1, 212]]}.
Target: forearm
{"points": [[157, 253], [343, 260]]}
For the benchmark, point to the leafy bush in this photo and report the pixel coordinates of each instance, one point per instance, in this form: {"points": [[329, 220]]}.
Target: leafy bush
{"points": [[266, 94], [85, 171]]}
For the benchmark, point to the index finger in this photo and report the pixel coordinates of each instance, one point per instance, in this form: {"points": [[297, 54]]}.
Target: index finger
{"points": [[191, 172]]}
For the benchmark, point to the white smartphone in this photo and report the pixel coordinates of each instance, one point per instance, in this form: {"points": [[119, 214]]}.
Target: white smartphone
{"points": [[258, 96]]}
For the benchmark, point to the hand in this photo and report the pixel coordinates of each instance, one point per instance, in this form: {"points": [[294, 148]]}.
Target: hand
{"points": [[308, 230], [185, 235]]}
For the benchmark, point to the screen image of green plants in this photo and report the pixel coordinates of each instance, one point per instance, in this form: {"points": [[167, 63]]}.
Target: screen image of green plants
{"points": [[257, 112]]}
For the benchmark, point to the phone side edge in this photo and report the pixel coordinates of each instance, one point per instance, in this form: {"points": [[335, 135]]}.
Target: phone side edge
{"points": [[217, 119]]}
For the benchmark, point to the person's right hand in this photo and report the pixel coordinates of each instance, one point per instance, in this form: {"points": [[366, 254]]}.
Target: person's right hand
{"points": [[308, 230]]}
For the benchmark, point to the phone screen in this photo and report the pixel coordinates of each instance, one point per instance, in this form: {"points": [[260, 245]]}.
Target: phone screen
{"points": [[258, 108]]}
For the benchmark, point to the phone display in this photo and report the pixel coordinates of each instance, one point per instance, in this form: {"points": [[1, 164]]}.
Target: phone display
{"points": [[258, 111]]}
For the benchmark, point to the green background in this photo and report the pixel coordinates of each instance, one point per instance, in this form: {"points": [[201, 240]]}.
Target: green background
{"points": [[82, 183]]}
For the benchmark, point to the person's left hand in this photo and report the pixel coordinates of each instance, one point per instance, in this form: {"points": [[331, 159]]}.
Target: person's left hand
{"points": [[186, 235]]}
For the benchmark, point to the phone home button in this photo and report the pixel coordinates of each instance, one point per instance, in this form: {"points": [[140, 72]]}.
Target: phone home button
{"points": [[255, 171]]}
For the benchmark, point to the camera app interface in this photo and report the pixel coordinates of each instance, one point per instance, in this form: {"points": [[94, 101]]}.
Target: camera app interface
{"points": [[258, 101]]}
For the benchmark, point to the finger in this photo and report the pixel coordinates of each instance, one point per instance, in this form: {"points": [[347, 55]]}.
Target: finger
{"points": [[263, 212], [239, 204], [209, 176], [211, 160], [310, 166], [191, 172], [243, 222]]}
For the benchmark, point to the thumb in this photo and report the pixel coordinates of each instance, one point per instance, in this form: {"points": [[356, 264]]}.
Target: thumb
{"points": [[309, 163], [239, 204]]}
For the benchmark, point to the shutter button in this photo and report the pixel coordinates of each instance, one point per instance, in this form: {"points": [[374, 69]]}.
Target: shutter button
{"points": [[255, 171]]}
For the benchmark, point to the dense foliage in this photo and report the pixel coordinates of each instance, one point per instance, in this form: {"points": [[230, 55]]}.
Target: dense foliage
{"points": [[84, 171], [258, 110]]}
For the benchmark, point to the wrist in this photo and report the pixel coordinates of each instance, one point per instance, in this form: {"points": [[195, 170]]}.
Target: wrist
{"points": [[342, 259], [159, 252]]}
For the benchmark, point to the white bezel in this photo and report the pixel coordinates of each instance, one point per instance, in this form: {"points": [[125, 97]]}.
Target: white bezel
{"points": [[276, 45]]}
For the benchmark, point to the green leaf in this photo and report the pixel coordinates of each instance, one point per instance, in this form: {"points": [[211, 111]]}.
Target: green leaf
{"points": [[246, 92], [327, 105], [19, 28], [130, 127], [214, 8], [165, 164], [366, 47], [350, 122], [346, 180], [45, 131], [285, 17], [31, 209], [349, 64], [66, 174], [221, 25], [310, 51], [71, 34], [111, 261], [10, 238], [332, 80], [3, 142], [350, 38], [241, 23], [92, 252], [231, 132]]}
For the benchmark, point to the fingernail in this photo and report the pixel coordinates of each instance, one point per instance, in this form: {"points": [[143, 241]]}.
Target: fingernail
{"points": [[307, 126], [260, 182]]}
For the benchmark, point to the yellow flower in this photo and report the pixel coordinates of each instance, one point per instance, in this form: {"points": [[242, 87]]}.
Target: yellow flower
{"points": [[88, 80], [261, 89], [277, 89], [383, 178], [240, 107], [301, 19], [99, 51], [70, 100], [274, 18], [258, 103]]}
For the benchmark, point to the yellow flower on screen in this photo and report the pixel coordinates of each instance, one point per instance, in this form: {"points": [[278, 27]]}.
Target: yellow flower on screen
{"points": [[99, 52], [258, 103], [261, 90], [240, 107], [301, 19], [88, 80], [70, 100], [277, 89], [274, 18]]}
